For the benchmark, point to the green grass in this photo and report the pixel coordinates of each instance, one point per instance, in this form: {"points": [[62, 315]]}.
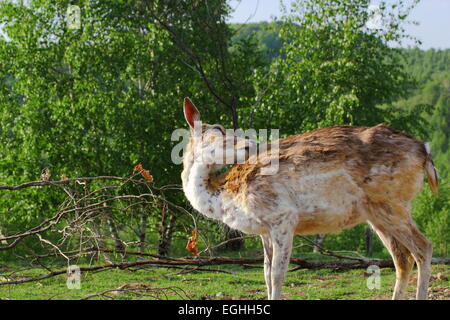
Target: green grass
{"points": [[240, 284]]}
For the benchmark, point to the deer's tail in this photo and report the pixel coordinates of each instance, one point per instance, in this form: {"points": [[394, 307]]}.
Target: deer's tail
{"points": [[430, 169]]}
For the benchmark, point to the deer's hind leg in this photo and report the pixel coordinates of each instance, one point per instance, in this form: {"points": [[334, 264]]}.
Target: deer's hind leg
{"points": [[397, 222], [422, 250], [403, 261]]}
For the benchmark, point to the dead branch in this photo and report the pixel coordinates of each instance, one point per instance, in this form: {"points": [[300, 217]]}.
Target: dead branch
{"points": [[334, 254], [59, 182], [301, 264], [140, 289]]}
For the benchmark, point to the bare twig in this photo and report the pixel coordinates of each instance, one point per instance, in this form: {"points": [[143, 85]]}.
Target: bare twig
{"points": [[140, 289]]}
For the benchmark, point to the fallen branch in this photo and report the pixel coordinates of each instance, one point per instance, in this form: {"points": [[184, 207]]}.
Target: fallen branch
{"points": [[140, 290], [334, 254], [61, 182], [185, 270]]}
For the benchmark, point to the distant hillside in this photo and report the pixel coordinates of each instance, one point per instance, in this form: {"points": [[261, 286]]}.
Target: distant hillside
{"points": [[425, 65], [265, 33], [431, 69]]}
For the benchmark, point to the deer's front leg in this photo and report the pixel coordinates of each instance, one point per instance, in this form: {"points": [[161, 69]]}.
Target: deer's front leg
{"points": [[268, 252], [282, 246]]}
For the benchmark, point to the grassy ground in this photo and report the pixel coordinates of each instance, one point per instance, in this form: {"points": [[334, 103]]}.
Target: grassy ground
{"points": [[236, 283]]}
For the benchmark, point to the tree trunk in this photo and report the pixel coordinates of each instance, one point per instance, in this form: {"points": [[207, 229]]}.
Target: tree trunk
{"points": [[165, 231], [369, 241], [142, 232], [318, 239], [113, 228], [115, 234], [166, 239], [97, 232], [234, 245]]}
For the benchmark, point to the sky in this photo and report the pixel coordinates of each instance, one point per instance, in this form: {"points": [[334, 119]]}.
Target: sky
{"points": [[433, 17]]}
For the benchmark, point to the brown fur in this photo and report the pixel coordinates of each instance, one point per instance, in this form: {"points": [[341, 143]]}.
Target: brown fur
{"points": [[215, 183], [356, 149]]}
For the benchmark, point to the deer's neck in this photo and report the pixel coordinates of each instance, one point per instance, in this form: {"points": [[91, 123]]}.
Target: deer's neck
{"points": [[196, 187]]}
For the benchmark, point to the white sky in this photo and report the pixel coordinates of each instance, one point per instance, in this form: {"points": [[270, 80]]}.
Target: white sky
{"points": [[433, 17]]}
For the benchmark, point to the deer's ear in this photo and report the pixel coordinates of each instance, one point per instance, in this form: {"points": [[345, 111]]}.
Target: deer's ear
{"points": [[190, 112]]}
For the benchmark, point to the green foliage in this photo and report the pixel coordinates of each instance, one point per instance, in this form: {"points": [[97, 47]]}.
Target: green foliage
{"points": [[333, 70], [99, 99], [432, 89], [353, 239], [432, 216], [424, 65], [264, 33]]}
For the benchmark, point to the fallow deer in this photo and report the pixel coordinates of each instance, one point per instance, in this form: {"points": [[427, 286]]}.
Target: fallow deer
{"points": [[328, 179]]}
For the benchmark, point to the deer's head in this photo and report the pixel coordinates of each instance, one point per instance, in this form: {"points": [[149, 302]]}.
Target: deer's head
{"points": [[212, 145]]}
